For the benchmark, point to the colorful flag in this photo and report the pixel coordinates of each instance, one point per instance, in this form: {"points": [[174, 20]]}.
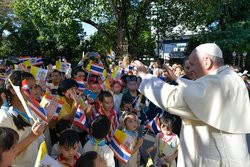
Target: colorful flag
{"points": [[154, 125], [89, 65], [62, 66], [41, 153], [31, 61], [116, 144], [23, 59], [111, 55], [33, 103], [80, 83], [38, 73], [38, 61], [43, 159], [96, 69], [116, 74], [27, 63], [17, 67], [47, 99], [80, 119], [105, 80]]}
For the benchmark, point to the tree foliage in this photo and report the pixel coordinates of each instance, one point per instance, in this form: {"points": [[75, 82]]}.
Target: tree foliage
{"points": [[117, 21], [55, 27]]}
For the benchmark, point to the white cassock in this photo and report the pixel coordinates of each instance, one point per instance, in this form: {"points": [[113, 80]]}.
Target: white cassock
{"points": [[215, 111]]}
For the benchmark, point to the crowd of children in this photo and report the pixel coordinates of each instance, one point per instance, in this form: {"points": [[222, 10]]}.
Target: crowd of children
{"points": [[103, 110]]}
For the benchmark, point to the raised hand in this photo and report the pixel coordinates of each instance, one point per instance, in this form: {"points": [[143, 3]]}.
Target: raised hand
{"points": [[51, 108], [75, 96], [169, 73], [38, 128], [142, 70]]}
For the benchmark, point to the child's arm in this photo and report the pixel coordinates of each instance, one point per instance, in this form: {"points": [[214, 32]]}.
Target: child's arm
{"points": [[138, 145]]}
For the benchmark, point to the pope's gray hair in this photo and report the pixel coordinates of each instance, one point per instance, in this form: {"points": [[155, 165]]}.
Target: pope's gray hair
{"points": [[217, 60]]}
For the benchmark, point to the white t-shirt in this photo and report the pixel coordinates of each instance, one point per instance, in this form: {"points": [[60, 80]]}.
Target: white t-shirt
{"points": [[28, 156], [104, 151]]}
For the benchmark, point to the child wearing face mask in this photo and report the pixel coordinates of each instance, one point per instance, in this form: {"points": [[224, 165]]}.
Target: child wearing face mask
{"points": [[129, 122], [166, 143]]}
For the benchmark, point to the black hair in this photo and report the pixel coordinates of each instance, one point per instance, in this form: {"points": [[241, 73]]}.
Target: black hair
{"points": [[123, 78], [126, 101], [131, 78], [16, 77], [78, 69], [104, 94], [69, 138], [168, 120], [66, 85], [8, 138], [62, 125], [100, 127], [160, 62], [87, 159]]}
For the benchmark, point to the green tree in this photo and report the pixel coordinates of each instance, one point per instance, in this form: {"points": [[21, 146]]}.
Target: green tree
{"points": [[225, 22], [117, 21]]}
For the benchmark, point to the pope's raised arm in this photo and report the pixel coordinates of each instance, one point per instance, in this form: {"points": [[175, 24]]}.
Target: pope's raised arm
{"points": [[165, 96]]}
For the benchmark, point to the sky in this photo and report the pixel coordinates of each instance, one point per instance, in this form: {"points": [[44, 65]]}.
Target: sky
{"points": [[90, 30]]}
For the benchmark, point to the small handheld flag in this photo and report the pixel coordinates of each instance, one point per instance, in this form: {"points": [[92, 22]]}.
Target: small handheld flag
{"points": [[47, 99], [80, 119], [80, 83], [62, 66], [116, 144], [33, 103], [38, 73], [154, 125], [96, 69]]}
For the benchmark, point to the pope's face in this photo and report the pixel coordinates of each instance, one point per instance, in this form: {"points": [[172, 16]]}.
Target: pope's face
{"points": [[196, 65]]}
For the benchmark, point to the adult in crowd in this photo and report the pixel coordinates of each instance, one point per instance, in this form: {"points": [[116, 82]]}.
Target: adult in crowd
{"points": [[214, 109]]}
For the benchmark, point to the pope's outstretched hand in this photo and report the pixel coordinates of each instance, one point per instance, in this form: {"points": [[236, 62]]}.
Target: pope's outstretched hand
{"points": [[142, 70]]}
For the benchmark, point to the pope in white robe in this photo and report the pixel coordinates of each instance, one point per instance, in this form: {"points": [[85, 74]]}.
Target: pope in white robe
{"points": [[214, 108]]}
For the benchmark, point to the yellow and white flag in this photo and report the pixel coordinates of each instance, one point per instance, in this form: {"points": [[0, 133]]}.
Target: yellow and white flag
{"points": [[62, 66], [43, 159], [38, 73]]}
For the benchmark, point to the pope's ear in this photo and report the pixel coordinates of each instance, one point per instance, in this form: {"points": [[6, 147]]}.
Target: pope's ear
{"points": [[208, 62]]}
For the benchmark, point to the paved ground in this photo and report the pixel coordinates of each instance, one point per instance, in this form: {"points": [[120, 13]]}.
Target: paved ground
{"points": [[149, 141]]}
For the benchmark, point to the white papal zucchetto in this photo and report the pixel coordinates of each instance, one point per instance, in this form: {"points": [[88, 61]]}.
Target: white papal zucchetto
{"points": [[211, 49]]}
